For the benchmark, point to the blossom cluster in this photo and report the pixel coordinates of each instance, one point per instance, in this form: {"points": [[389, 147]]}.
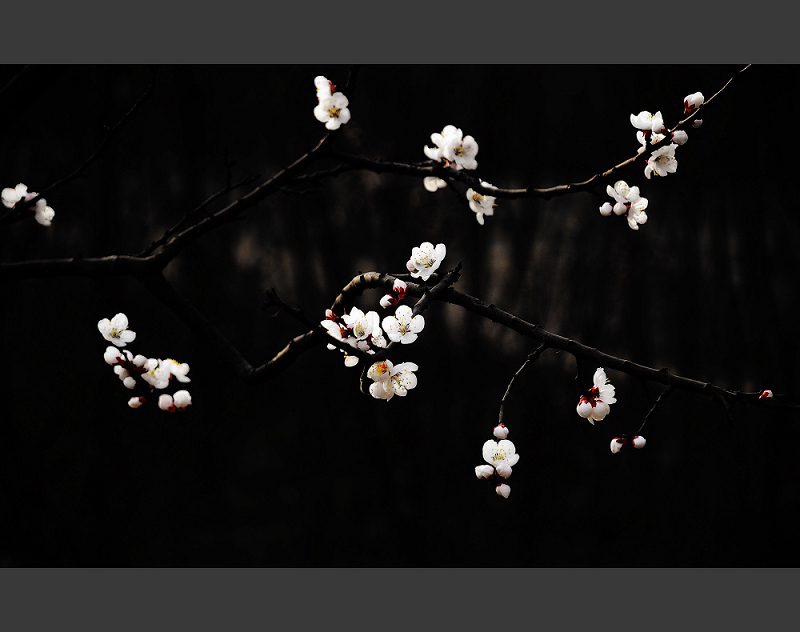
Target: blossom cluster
{"points": [[596, 404], [357, 329], [628, 203], [452, 148], [42, 213], [501, 456], [140, 372], [331, 108]]}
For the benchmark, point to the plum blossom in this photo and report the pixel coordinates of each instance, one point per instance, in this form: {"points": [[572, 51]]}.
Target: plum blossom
{"points": [[425, 260], [175, 403], [484, 471], [332, 107], [454, 148], [628, 201], [361, 325], [503, 451], [766, 394], [116, 330], [43, 213], [618, 443], [481, 204], [642, 138], [503, 490], [500, 431], [680, 137], [403, 327], [596, 405], [11, 196], [648, 122], [391, 379], [662, 161], [177, 369], [692, 101], [433, 184], [156, 374], [398, 294]]}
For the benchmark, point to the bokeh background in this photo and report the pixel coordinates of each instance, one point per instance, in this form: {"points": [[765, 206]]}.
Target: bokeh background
{"points": [[304, 470]]}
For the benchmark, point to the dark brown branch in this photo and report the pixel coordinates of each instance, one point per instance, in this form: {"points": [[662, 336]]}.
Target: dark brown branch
{"points": [[529, 360], [115, 265], [662, 396]]}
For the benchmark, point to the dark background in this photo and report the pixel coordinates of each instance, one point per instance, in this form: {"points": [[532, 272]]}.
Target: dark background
{"points": [[304, 470]]}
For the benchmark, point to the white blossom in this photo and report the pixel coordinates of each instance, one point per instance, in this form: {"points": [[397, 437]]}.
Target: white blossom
{"points": [[662, 161], [500, 431], [503, 470], [156, 374], [451, 145], [391, 380], [433, 183], [692, 101], [173, 403], [484, 471], [425, 260], [323, 87], [642, 138], [503, 451], [332, 110], [481, 204], [628, 201], [503, 490], [439, 140], [11, 196], [43, 213], [361, 325], [403, 327], [116, 330], [680, 137], [177, 369], [135, 402], [648, 122], [596, 405]]}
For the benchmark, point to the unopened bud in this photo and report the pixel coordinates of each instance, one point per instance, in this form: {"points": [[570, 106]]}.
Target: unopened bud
{"points": [[697, 123], [503, 469], [617, 444], [606, 209], [767, 394], [620, 208], [484, 471], [135, 402], [638, 442], [129, 382], [680, 137], [500, 431], [503, 490]]}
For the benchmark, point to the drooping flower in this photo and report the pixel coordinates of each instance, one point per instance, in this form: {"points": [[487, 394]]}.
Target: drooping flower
{"points": [[440, 140], [425, 260], [43, 213], [332, 110], [648, 122], [692, 101], [403, 327], [391, 380], [433, 183], [155, 373], [596, 405], [116, 330], [481, 204], [662, 161], [500, 431]]}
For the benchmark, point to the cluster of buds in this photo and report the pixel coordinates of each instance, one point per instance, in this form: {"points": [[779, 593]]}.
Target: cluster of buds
{"points": [[628, 203], [501, 456], [596, 404], [453, 149], [397, 294], [617, 443], [42, 213], [331, 108], [141, 372]]}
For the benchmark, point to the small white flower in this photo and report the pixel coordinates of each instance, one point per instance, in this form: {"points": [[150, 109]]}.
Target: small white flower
{"points": [[642, 138], [433, 184], [596, 405], [648, 122], [12, 196], [425, 260], [361, 325], [135, 402], [155, 374], [692, 101], [439, 141], [332, 110], [403, 327], [453, 146], [500, 431], [496, 452], [177, 369], [400, 380], [662, 161], [43, 213], [680, 137], [481, 204], [484, 471], [636, 214], [116, 330], [628, 201], [503, 490], [697, 123]]}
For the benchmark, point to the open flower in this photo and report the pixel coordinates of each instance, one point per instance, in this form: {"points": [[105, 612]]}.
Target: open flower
{"points": [[116, 330], [440, 140], [403, 327], [177, 369], [332, 110], [648, 122], [596, 405], [642, 138], [455, 148], [692, 101], [156, 374], [361, 325], [391, 380], [481, 204], [497, 452], [425, 260], [628, 201], [662, 161]]}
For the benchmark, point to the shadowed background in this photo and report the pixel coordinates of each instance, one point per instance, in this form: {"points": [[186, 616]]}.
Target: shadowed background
{"points": [[304, 470]]}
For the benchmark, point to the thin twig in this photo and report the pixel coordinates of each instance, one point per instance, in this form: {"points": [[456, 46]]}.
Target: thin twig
{"points": [[664, 394], [529, 360]]}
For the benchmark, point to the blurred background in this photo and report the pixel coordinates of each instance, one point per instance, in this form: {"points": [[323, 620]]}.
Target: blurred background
{"points": [[304, 470]]}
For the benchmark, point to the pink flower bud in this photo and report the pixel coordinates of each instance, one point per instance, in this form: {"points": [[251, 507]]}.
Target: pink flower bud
{"points": [[484, 471], [767, 394], [606, 209], [638, 442], [503, 490], [503, 469], [387, 301], [500, 431], [584, 408]]}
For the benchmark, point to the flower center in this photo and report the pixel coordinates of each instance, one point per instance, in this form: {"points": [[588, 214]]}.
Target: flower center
{"points": [[333, 111], [459, 151]]}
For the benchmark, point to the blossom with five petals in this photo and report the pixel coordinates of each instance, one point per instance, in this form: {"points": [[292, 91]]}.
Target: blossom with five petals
{"points": [[497, 452], [481, 204], [425, 260], [403, 327], [116, 330], [391, 379], [648, 122], [662, 161]]}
